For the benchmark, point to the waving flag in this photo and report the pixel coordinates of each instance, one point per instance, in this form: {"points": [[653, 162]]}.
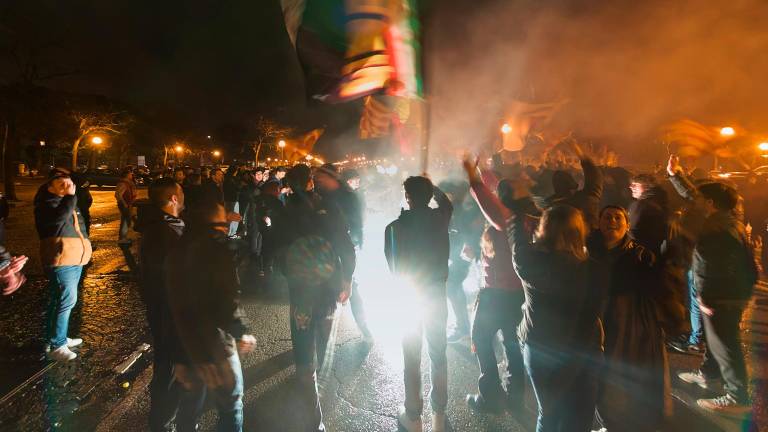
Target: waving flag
{"points": [[352, 49], [695, 139], [521, 118]]}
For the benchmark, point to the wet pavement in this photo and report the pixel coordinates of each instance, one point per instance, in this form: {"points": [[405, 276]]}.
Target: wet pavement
{"points": [[361, 387]]}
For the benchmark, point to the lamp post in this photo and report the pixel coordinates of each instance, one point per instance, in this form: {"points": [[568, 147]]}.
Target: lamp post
{"points": [[96, 142], [217, 155], [282, 145], [179, 150]]}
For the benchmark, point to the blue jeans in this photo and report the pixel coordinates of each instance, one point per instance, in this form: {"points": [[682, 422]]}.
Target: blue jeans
{"points": [[564, 385], [233, 207], [696, 326], [62, 285], [228, 401]]}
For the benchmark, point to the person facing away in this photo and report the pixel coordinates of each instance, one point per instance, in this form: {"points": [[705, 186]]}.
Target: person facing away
{"points": [[161, 228], [724, 274], [84, 199], [560, 330], [125, 195], [587, 199], [204, 297], [417, 249], [64, 250], [649, 213]]}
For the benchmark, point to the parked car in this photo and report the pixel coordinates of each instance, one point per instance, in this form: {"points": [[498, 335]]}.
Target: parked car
{"points": [[102, 177]]}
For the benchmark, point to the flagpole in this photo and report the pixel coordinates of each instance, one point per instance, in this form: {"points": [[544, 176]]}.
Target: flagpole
{"points": [[426, 105]]}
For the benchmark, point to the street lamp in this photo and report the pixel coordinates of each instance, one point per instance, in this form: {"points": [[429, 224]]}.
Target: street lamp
{"points": [[209, 137], [42, 143], [727, 131], [216, 153], [506, 128], [97, 140], [763, 146], [282, 145], [179, 149]]}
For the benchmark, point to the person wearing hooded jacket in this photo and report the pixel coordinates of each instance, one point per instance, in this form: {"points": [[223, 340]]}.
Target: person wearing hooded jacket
{"points": [[64, 250], [649, 214], [417, 250]]}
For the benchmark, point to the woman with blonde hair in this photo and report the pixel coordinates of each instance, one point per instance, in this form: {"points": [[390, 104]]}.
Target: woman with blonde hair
{"points": [[560, 333]]}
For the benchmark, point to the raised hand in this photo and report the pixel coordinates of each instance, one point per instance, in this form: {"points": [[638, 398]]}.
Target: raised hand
{"points": [[470, 164], [673, 165]]}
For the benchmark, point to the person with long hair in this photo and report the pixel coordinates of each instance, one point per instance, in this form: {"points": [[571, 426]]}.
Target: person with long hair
{"points": [[560, 332], [635, 384]]}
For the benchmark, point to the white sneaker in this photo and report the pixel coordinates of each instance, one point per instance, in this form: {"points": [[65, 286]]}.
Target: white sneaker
{"points": [[439, 422], [62, 354], [407, 423], [698, 378], [71, 343]]}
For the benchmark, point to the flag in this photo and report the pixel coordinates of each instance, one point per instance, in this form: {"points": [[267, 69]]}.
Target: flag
{"points": [[300, 147], [522, 118], [694, 139], [359, 49]]}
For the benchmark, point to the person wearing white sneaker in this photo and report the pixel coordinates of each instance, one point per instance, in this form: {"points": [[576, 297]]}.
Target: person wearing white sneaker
{"points": [[410, 424], [64, 250]]}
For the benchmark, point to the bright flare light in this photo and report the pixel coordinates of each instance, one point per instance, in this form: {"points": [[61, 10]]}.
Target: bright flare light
{"points": [[216, 153], [763, 146], [727, 131], [97, 140], [506, 128], [179, 149]]}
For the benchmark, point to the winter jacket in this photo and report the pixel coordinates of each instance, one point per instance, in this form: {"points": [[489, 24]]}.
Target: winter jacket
{"points": [[723, 265], [231, 188], [561, 306], [203, 295], [649, 219], [210, 192], [125, 193], [352, 209], [587, 199], [416, 244], [160, 233], [61, 228]]}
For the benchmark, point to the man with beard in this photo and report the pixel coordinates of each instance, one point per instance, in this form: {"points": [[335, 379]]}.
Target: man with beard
{"points": [[160, 228]]}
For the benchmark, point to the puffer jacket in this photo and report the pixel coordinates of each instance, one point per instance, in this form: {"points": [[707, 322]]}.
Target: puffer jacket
{"points": [[61, 228]]}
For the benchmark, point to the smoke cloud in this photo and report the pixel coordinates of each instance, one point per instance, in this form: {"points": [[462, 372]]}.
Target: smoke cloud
{"points": [[626, 67]]}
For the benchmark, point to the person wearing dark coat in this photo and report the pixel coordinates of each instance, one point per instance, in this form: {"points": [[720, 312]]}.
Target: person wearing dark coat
{"points": [[649, 214], [417, 249], [213, 189], [318, 260], [204, 297], [724, 273], [560, 330], [334, 190], [635, 393], [160, 228], [587, 199], [84, 199]]}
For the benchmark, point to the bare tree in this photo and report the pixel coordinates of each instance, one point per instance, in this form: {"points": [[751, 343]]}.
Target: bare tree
{"points": [[267, 131], [113, 123]]}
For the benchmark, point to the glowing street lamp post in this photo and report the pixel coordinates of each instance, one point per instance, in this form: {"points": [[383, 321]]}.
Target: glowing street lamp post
{"points": [[217, 155], [95, 141], [282, 145]]}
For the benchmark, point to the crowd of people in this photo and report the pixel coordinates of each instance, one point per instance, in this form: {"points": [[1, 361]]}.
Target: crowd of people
{"points": [[589, 275]]}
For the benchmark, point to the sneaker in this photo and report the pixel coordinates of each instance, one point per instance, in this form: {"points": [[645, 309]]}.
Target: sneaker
{"points": [[686, 348], [71, 343], [439, 422], [457, 337], [478, 403], [407, 423], [699, 379], [62, 354], [726, 404]]}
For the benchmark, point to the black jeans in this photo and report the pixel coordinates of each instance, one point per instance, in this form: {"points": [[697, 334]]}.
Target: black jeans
{"points": [[310, 331], [498, 310], [723, 357], [565, 387], [457, 272], [358, 307], [164, 391]]}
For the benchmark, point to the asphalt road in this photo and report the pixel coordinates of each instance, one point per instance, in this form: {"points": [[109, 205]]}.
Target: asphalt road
{"points": [[361, 387]]}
